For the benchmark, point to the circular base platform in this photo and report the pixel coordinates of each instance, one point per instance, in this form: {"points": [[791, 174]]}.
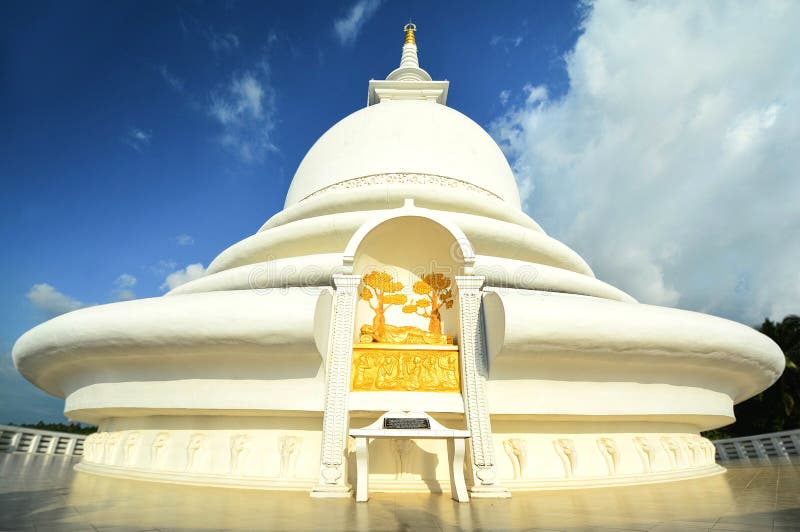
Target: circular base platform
{"points": [[282, 453]]}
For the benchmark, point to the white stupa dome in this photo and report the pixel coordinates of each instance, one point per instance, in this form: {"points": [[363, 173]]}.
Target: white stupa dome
{"points": [[254, 375], [405, 136]]}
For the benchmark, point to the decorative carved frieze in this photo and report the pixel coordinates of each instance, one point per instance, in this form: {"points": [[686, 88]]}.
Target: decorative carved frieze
{"points": [[405, 178], [709, 450], [694, 454], [240, 447], [673, 450], [646, 452], [610, 450], [517, 451], [131, 445], [100, 447], [565, 448], [247, 455], [88, 447], [112, 439], [290, 452], [406, 370], [158, 450], [196, 452]]}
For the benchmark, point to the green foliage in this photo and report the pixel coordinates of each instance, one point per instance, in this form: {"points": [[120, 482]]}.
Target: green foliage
{"points": [[778, 407], [72, 428]]}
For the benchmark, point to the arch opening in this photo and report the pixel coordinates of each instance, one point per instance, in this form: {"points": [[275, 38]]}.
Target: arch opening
{"points": [[406, 318]]}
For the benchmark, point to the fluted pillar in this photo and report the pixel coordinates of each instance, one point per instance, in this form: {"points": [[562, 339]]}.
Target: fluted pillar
{"points": [[474, 372], [336, 419]]}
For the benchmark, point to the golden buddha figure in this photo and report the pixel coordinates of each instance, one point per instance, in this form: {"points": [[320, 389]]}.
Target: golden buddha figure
{"points": [[381, 292], [405, 358]]}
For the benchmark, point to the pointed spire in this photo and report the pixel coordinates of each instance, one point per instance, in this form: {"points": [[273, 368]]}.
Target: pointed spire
{"points": [[408, 81], [409, 58], [409, 62], [410, 28]]}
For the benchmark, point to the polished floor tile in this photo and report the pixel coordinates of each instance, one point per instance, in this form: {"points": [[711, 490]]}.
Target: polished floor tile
{"points": [[41, 493]]}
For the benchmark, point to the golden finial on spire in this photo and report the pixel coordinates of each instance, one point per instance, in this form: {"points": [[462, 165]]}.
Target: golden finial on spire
{"points": [[410, 28]]}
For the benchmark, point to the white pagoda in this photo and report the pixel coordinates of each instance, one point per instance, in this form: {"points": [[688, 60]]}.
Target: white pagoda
{"points": [[401, 276]]}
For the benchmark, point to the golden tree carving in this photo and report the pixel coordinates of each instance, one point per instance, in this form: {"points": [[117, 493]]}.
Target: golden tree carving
{"points": [[439, 292], [382, 288]]}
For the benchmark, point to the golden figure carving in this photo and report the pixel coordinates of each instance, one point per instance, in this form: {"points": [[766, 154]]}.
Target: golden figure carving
{"points": [[405, 358], [407, 334], [381, 288], [440, 294], [407, 370]]}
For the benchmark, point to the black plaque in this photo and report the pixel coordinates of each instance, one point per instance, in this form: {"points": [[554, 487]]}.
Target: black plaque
{"points": [[407, 423]]}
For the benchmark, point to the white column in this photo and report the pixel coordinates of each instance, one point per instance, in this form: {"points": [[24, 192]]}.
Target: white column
{"points": [[761, 452], [455, 455], [336, 419], [795, 437], [34, 443], [741, 451], [779, 448], [473, 387], [15, 439], [70, 450], [362, 469], [720, 449]]}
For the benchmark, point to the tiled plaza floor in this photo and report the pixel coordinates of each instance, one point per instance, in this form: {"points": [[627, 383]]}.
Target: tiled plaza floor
{"points": [[40, 493]]}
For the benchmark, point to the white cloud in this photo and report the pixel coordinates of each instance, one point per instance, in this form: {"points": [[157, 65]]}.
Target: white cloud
{"points": [[504, 96], [221, 42], [349, 26], [123, 287], [182, 276], [50, 301], [245, 110], [671, 163], [749, 128], [138, 138], [506, 42], [184, 240], [125, 280], [172, 80], [162, 267], [535, 95]]}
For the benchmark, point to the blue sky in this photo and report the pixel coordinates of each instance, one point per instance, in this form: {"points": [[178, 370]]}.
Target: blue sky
{"points": [[141, 138]]}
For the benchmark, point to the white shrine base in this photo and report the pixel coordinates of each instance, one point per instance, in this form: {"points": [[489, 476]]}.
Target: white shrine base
{"points": [[282, 453]]}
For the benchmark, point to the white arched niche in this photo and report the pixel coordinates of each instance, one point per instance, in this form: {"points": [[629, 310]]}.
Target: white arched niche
{"points": [[408, 246]]}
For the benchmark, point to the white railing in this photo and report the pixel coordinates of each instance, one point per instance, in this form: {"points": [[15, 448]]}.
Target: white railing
{"points": [[34, 441], [773, 445]]}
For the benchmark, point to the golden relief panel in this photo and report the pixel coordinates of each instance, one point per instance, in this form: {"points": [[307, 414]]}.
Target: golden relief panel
{"points": [[405, 358], [381, 291], [405, 370]]}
